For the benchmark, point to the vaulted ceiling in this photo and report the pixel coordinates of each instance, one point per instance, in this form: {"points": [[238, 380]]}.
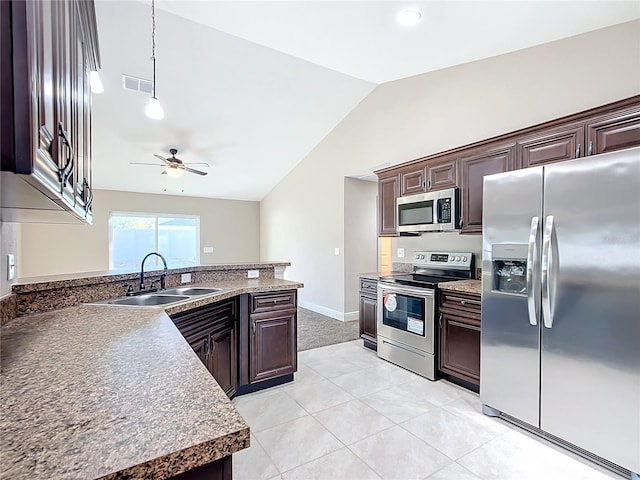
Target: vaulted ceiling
{"points": [[251, 87]]}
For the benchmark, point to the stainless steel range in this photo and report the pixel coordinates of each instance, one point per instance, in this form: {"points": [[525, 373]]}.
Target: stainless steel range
{"points": [[407, 309]]}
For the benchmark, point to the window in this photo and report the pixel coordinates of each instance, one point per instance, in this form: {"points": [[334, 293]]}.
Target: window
{"points": [[133, 235]]}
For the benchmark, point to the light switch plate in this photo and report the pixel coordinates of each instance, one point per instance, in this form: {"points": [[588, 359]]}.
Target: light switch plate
{"points": [[185, 278], [253, 273], [11, 266], [207, 250], [336, 251], [400, 252]]}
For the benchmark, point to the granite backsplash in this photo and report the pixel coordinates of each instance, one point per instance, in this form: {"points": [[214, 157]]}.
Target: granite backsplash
{"points": [[53, 294]]}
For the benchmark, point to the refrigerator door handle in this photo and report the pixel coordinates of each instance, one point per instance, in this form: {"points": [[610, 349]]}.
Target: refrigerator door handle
{"points": [[549, 259], [532, 255]]}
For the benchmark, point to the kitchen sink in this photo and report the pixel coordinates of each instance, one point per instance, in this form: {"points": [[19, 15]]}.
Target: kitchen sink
{"points": [[194, 291], [147, 300]]}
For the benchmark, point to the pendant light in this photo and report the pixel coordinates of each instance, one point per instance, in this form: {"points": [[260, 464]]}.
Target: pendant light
{"points": [[153, 108]]}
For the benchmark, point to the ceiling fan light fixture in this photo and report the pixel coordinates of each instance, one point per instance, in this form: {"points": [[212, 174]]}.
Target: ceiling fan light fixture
{"points": [[154, 109], [174, 171], [408, 17]]}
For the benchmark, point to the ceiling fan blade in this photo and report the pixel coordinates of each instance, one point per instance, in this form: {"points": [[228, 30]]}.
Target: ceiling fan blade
{"points": [[204, 164], [142, 163], [197, 172], [162, 158]]}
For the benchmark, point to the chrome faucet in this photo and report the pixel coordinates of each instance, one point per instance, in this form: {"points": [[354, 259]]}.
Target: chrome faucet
{"points": [[162, 277]]}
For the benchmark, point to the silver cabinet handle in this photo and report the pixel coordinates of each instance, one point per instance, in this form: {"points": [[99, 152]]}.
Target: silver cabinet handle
{"points": [[253, 326], [578, 151], [212, 347], [532, 255], [549, 259], [206, 348], [590, 151], [429, 184], [463, 302]]}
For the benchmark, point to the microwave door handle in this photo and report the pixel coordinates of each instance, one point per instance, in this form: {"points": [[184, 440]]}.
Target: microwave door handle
{"points": [[532, 255]]}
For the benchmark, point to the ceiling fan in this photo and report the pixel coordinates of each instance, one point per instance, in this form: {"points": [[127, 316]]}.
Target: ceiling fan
{"points": [[174, 166]]}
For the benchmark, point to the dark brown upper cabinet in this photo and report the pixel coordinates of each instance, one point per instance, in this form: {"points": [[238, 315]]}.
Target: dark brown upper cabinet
{"points": [[611, 132], [474, 168], [49, 49], [600, 130], [551, 146], [435, 174], [388, 191]]}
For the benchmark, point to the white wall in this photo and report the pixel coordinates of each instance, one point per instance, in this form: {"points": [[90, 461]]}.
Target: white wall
{"points": [[231, 227], [360, 238], [302, 219]]}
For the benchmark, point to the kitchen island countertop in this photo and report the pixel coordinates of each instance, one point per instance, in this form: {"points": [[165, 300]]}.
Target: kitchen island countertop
{"points": [[113, 391]]}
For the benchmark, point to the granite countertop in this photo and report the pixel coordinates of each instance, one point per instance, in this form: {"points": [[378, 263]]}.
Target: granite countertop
{"points": [[467, 286], [114, 392]]}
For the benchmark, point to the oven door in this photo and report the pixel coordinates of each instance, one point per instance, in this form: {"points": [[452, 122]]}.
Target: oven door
{"points": [[406, 314]]}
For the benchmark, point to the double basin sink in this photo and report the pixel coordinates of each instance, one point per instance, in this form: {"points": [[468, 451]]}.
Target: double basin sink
{"points": [[162, 297]]}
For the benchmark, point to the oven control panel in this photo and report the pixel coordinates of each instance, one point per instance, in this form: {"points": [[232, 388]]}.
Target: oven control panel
{"points": [[442, 259]]}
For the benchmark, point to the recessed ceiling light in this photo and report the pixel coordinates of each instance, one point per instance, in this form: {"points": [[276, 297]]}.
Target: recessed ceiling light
{"points": [[408, 17]]}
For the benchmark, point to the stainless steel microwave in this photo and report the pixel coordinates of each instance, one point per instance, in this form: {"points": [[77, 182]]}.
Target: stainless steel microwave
{"points": [[437, 211]]}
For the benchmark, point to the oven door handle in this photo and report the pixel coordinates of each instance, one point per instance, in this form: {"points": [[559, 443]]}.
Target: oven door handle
{"points": [[418, 292]]}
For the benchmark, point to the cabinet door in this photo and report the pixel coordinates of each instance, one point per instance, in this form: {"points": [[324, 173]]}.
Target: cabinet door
{"points": [[273, 345], [223, 358], [36, 144], [65, 118], [460, 347], [413, 180], [442, 173], [614, 132], [387, 193], [367, 319], [474, 168], [551, 146], [201, 345]]}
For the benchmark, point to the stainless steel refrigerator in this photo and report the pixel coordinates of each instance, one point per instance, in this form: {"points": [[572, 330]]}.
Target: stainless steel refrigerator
{"points": [[560, 340]]}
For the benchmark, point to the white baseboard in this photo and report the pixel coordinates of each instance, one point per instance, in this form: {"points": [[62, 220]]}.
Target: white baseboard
{"points": [[329, 312]]}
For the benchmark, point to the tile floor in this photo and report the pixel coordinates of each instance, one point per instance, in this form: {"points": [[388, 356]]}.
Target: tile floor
{"points": [[349, 415]]}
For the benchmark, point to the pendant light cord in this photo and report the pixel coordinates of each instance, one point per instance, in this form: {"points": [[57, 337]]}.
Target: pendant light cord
{"points": [[153, 43]]}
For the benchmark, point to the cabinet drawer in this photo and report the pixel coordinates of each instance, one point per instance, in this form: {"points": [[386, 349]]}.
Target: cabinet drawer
{"points": [[462, 302], [266, 302], [368, 287]]}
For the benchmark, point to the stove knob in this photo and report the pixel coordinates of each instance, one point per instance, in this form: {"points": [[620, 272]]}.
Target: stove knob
{"points": [[421, 257], [464, 259], [457, 259], [451, 258]]}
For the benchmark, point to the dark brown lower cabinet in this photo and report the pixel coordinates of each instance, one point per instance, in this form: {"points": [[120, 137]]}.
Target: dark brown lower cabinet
{"points": [[459, 325], [268, 339], [273, 345], [223, 358], [211, 332], [218, 470], [368, 312]]}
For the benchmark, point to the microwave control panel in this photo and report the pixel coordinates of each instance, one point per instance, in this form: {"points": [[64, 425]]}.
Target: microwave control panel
{"points": [[444, 210]]}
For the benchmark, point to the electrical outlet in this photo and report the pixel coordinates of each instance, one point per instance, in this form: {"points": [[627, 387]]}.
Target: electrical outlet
{"points": [[336, 251], [253, 273], [11, 266], [185, 278], [207, 250], [400, 252]]}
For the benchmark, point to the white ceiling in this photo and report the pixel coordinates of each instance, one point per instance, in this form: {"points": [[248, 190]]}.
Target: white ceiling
{"points": [[253, 86]]}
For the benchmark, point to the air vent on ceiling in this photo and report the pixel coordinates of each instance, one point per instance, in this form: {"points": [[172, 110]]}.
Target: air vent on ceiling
{"points": [[136, 84]]}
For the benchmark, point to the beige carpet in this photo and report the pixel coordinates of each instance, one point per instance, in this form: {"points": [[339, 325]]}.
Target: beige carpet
{"points": [[316, 330]]}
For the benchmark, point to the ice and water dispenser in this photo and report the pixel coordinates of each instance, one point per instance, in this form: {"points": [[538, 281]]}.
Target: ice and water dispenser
{"points": [[509, 269]]}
